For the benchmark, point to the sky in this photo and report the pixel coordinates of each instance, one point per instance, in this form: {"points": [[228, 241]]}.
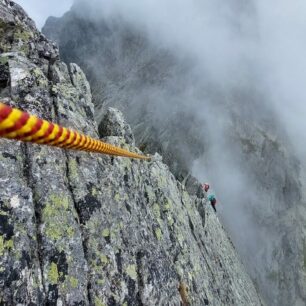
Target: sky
{"points": [[40, 10]]}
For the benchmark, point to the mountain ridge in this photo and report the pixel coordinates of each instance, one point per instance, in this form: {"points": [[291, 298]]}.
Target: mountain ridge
{"points": [[82, 229], [231, 137]]}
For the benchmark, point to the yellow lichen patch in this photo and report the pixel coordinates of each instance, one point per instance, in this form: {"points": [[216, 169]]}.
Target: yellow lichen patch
{"points": [[98, 302], [170, 220], [54, 232], [40, 77], [156, 210], [73, 168], [73, 282], [197, 268], [131, 272], [54, 89], [117, 197], [22, 35], [161, 181], [100, 282], [53, 274], [59, 202], [106, 233], [70, 232], [158, 233], [5, 245], [104, 259], [55, 218], [9, 244], [3, 213], [167, 205], [180, 239], [150, 194], [94, 191]]}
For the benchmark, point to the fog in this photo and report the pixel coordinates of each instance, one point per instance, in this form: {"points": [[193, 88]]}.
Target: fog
{"points": [[247, 61], [183, 26], [225, 37], [282, 47], [234, 42]]}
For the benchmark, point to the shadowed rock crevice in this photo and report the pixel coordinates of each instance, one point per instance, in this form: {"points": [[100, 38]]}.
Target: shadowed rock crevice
{"points": [[36, 217], [83, 237], [4, 76]]}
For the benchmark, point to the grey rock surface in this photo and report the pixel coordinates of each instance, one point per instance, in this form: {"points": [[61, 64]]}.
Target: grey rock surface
{"points": [[113, 124], [86, 229]]}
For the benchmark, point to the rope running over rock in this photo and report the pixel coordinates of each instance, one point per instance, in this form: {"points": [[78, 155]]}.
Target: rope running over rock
{"points": [[18, 125]]}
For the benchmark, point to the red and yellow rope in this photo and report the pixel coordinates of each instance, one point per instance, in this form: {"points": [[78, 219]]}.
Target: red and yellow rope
{"points": [[18, 125]]}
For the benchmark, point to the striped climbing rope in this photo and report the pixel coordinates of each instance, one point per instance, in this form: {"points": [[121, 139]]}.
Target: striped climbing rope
{"points": [[18, 125]]}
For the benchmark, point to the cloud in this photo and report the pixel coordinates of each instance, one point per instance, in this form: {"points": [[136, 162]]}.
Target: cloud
{"points": [[211, 38], [234, 42], [282, 49]]}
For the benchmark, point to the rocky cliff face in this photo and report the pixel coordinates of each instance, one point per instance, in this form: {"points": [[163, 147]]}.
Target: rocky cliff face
{"points": [[83, 229], [265, 211]]}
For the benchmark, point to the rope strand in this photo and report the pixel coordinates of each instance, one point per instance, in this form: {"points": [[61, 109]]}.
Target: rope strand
{"points": [[18, 125]]}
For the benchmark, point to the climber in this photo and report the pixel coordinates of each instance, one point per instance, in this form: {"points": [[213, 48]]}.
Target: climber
{"points": [[213, 201], [205, 187]]}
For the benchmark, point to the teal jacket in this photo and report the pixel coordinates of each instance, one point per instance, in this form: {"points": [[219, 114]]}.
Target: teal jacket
{"points": [[211, 197]]}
